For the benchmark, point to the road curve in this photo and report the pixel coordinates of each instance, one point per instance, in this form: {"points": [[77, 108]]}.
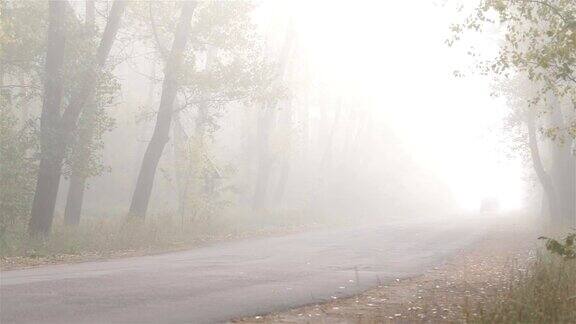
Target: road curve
{"points": [[233, 279]]}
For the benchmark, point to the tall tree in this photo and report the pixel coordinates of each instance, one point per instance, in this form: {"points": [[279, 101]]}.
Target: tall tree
{"points": [[201, 130], [286, 129], [79, 175], [59, 129], [265, 126], [144, 184], [563, 168], [264, 129], [179, 143], [50, 165], [539, 43], [543, 176]]}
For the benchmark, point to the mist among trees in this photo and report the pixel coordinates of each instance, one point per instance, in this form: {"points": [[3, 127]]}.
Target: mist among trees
{"points": [[337, 148], [193, 111]]}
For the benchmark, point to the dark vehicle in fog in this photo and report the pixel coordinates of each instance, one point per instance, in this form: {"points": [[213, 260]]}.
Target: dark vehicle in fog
{"points": [[489, 205]]}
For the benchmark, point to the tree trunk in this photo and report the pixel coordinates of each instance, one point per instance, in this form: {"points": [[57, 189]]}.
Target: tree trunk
{"points": [[144, 184], [143, 132], [74, 200], [571, 190], [79, 177], [75, 197], [202, 120], [543, 176], [90, 15], [304, 120], [282, 181], [265, 125], [563, 169], [286, 155], [326, 162], [247, 159], [49, 170], [54, 149], [181, 177], [264, 157], [360, 136]]}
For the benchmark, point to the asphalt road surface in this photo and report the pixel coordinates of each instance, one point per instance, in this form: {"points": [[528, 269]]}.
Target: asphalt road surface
{"points": [[228, 280]]}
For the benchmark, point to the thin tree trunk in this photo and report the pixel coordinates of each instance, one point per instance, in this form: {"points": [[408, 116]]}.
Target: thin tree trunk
{"points": [[304, 117], [74, 200], [543, 176], [571, 191], [544, 207], [286, 123], [326, 162], [563, 169], [141, 145], [75, 197], [90, 15], [282, 181], [50, 169], [201, 128], [143, 190], [363, 126], [265, 125], [264, 157], [247, 156], [181, 177]]}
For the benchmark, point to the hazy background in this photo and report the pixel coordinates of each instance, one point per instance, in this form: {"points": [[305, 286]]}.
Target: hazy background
{"points": [[288, 112], [427, 137]]}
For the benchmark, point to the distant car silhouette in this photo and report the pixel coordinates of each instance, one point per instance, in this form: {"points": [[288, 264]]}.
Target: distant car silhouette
{"points": [[489, 205]]}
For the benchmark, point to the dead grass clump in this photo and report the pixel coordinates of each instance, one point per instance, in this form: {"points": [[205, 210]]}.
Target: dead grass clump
{"points": [[546, 293]]}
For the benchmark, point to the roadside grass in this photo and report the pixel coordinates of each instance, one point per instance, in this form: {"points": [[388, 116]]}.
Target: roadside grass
{"points": [[96, 236], [101, 237], [545, 293]]}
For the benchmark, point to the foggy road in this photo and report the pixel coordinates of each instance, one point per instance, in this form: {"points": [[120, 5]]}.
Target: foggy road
{"points": [[233, 279]]}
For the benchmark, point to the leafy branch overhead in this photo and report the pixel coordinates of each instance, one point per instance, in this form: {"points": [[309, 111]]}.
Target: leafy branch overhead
{"points": [[538, 41], [564, 248]]}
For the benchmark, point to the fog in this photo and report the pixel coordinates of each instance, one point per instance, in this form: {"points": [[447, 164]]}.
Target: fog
{"points": [[267, 112], [368, 127], [207, 161]]}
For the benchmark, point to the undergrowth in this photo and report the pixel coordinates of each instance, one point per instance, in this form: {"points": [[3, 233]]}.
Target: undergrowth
{"points": [[546, 293], [109, 235]]}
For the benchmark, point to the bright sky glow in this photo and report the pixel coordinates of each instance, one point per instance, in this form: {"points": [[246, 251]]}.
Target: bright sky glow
{"points": [[393, 54]]}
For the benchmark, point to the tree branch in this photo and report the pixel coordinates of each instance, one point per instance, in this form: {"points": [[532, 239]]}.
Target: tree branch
{"points": [[555, 9], [161, 49]]}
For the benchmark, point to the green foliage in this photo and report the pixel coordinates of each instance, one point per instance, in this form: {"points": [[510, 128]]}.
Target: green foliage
{"points": [[564, 248], [17, 171], [539, 42], [22, 40], [201, 180], [23, 54], [224, 62], [223, 32], [85, 155]]}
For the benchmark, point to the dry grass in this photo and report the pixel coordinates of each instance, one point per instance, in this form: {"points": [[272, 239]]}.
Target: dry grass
{"points": [[454, 292], [99, 238], [501, 280], [546, 293]]}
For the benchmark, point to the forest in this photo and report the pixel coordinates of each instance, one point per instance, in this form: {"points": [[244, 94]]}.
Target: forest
{"points": [[186, 113], [341, 135]]}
